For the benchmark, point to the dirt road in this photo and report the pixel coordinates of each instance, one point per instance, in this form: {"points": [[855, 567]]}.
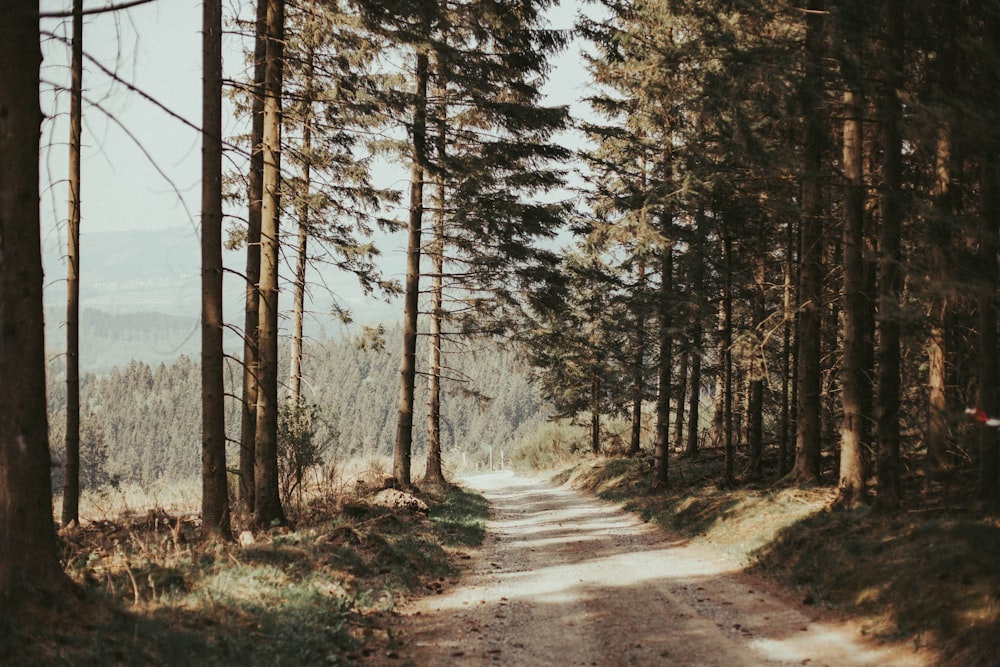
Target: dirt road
{"points": [[563, 579]]}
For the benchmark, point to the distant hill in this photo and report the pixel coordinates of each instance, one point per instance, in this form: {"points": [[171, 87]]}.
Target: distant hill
{"points": [[141, 421], [141, 297]]}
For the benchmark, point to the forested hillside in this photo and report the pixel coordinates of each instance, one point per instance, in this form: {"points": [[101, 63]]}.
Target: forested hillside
{"points": [[142, 421], [114, 339]]}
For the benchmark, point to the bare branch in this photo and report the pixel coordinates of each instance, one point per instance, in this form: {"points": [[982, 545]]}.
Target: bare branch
{"points": [[97, 10]]}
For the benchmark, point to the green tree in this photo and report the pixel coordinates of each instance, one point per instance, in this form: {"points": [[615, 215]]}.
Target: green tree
{"points": [[300, 445], [493, 161], [573, 349]]}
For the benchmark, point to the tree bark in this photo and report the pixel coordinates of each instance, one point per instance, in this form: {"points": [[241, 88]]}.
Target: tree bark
{"points": [[71, 471], [302, 245], [595, 410], [402, 451], [29, 557], [788, 361], [806, 469], [988, 395], [267, 500], [661, 445], [694, 397], [852, 488], [638, 361], [890, 273], [697, 334], [938, 433], [248, 412], [434, 472], [680, 399], [755, 399], [729, 474], [214, 487]]}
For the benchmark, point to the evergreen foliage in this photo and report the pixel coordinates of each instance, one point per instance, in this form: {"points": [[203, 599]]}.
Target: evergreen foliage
{"points": [[141, 424]]}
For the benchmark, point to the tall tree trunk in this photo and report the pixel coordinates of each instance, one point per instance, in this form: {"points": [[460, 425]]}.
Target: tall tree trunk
{"points": [[988, 397], [729, 473], [267, 500], [434, 472], [681, 405], [947, 75], [71, 483], [694, 396], [661, 445], [302, 246], [697, 333], [595, 409], [755, 402], [402, 451], [214, 487], [852, 485], [298, 308], [788, 360], [806, 469], [251, 334], [890, 273], [719, 405], [938, 456], [638, 360], [29, 557]]}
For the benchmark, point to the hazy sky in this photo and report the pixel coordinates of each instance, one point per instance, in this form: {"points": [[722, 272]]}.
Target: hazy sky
{"points": [[140, 166]]}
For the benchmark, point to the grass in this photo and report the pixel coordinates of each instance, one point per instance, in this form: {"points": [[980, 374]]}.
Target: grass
{"points": [[927, 574], [152, 593]]}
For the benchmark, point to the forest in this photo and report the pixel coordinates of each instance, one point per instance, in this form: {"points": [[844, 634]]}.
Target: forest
{"points": [[136, 419], [783, 224]]}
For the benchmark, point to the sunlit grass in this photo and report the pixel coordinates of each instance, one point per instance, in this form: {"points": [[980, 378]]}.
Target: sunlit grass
{"points": [[926, 575], [316, 593], [116, 500]]}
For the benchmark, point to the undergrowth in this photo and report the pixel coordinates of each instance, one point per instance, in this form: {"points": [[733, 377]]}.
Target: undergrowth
{"points": [[152, 593], [926, 574]]}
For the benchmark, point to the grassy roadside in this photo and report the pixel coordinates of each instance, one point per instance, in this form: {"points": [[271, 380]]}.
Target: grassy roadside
{"points": [[318, 594], [929, 574]]}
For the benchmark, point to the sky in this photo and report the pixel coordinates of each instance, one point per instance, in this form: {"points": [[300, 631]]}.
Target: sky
{"points": [[141, 166]]}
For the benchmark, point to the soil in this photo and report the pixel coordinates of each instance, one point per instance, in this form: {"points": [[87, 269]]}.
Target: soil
{"points": [[566, 579]]}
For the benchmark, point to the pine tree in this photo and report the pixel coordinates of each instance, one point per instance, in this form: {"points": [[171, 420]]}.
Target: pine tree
{"points": [[574, 347], [495, 160]]}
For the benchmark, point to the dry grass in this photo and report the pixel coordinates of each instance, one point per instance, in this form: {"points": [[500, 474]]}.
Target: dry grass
{"points": [[153, 593], [928, 573]]}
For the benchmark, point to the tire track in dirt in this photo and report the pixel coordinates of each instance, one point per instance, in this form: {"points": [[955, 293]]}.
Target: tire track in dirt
{"points": [[564, 579]]}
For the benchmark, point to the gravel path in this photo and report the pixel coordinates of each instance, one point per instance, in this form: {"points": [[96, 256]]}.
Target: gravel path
{"points": [[564, 579]]}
